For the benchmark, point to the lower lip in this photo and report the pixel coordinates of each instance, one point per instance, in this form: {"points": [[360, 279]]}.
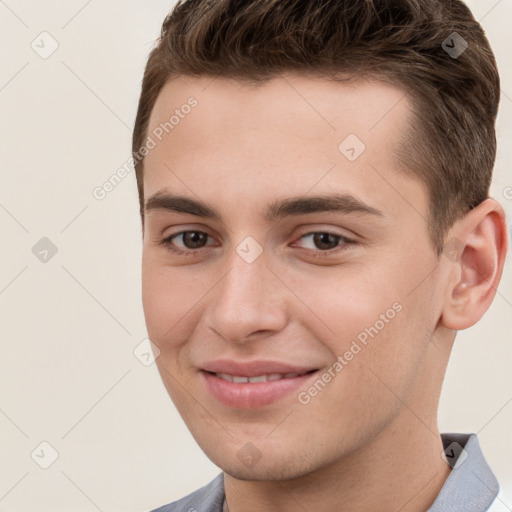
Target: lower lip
{"points": [[252, 395]]}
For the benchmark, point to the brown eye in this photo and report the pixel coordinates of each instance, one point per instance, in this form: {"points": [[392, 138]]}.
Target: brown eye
{"points": [[322, 240], [326, 240], [191, 242], [194, 239], [323, 244]]}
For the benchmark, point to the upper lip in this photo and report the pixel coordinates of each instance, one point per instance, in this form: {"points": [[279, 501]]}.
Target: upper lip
{"points": [[253, 368]]}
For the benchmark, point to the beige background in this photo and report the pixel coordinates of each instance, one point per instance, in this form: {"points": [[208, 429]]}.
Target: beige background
{"points": [[68, 327]]}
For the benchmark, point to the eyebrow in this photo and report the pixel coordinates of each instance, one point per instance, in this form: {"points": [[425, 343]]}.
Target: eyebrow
{"points": [[341, 203]]}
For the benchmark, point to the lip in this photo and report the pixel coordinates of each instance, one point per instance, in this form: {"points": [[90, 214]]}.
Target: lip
{"points": [[253, 368], [252, 395]]}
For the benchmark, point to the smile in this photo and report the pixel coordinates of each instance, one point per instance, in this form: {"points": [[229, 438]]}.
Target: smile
{"points": [[258, 378], [255, 391]]}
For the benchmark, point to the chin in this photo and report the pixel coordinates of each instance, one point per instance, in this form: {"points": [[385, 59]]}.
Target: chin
{"points": [[250, 465], [264, 472]]}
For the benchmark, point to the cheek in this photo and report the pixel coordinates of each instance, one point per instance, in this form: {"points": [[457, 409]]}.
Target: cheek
{"points": [[168, 300], [384, 352], [346, 305], [373, 321], [156, 302]]}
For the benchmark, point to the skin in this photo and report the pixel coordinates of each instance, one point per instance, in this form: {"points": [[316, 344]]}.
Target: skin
{"points": [[369, 440]]}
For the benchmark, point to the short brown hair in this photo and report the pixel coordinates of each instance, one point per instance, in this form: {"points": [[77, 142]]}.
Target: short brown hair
{"points": [[452, 143]]}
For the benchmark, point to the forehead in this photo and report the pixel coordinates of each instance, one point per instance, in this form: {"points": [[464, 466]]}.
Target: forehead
{"points": [[287, 135], [284, 101]]}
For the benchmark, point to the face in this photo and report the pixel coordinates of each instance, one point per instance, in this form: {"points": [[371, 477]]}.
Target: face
{"points": [[289, 281]]}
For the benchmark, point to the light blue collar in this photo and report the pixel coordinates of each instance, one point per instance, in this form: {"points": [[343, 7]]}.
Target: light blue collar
{"points": [[471, 485]]}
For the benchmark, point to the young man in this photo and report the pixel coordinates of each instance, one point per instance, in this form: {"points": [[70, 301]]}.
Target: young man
{"points": [[314, 190]]}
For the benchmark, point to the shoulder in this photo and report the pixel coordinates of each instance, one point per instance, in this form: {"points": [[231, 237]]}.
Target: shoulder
{"points": [[206, 499]]}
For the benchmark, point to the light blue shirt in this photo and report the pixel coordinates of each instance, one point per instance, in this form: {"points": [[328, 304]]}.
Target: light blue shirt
{"points": [[470, 487]]}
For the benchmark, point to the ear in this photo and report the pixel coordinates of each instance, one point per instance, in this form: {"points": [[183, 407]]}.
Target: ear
{"points": [[475, 251]]}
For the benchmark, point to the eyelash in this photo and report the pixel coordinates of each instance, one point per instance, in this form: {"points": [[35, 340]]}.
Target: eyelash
{"points": [[345, 243]]}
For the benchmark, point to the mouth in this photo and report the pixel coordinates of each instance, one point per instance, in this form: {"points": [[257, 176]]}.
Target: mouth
{"points": [[271, 377], [252, 389]]}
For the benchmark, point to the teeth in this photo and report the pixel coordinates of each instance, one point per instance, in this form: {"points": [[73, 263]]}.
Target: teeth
{"points": [[225, 376], [260, 378], [270, 377]]}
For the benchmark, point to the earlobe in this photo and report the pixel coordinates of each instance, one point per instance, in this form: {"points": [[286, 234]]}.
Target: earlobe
{"points": [[475, 274]]}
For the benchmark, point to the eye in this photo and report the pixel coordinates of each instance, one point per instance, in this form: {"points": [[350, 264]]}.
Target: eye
{"points": [[323, 240], [192, 241], [326, 243]]}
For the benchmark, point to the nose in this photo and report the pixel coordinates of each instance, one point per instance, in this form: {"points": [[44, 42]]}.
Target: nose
{"points": [[250, 301]]}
